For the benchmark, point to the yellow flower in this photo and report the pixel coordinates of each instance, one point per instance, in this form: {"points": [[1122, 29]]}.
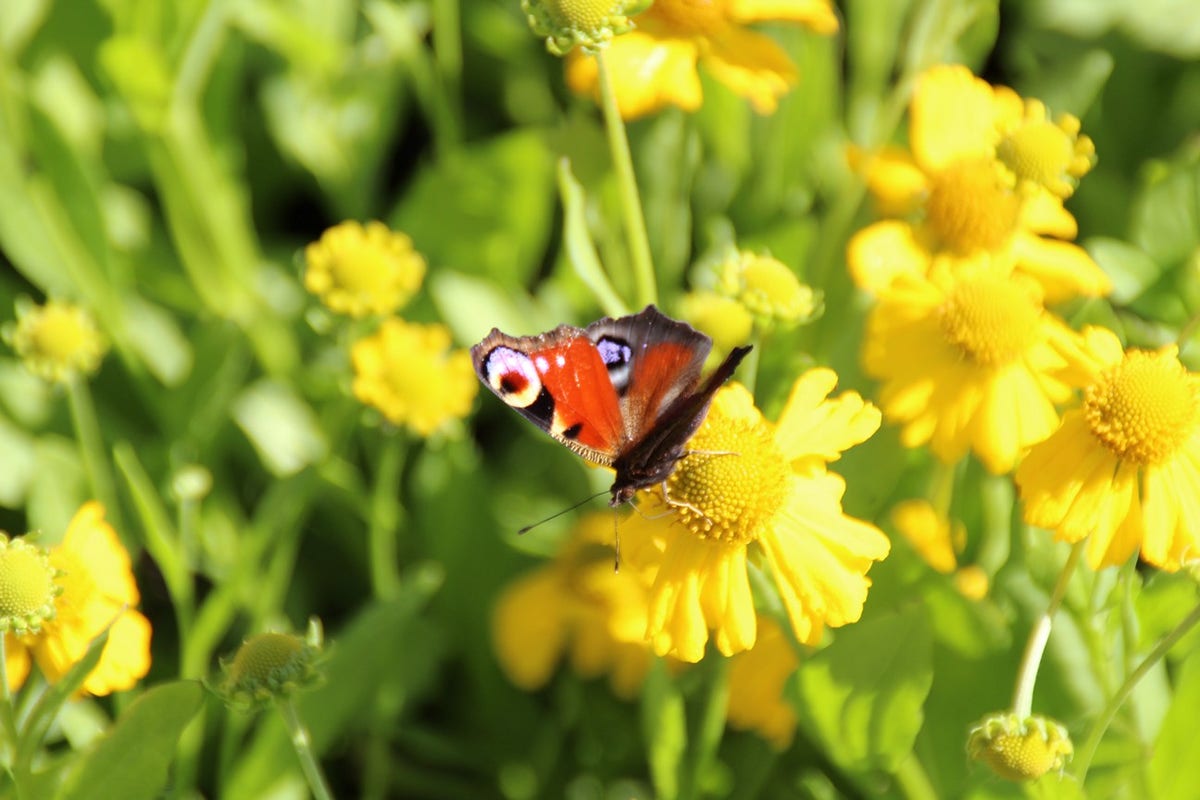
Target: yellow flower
{"points": [[957, 200], [656, 65], [359, 270], [408, 372], [969, 360], [726, 320], [589, 24], [98, 591], [1123, 470], [756, 684], [57, 341], [578, 605], [1042, 154], [751, 482], [937, 540], [767, 288]]}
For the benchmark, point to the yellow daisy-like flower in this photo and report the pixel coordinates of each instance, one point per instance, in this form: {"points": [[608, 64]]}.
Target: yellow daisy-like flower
{"points": [[408, 372], [969, 360], [1123, 470], [767, 288], [655, 65], [727, 321], [361, 270], [98, 592], [937, 540], [751, 482], [1042, 153], [575, 604], [756, 682], [956, 200], [57, 341]]}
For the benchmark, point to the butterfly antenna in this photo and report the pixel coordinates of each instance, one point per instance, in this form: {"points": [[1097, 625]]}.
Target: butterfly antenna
{"points": [[616, 541], [558, 514]]}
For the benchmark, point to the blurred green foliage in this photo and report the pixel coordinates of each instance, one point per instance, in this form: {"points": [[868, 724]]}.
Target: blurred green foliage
{"points": [[163, 164]]}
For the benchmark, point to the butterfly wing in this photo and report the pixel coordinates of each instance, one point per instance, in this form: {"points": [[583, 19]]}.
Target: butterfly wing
{"points": [[559, 382], [652, 361]]}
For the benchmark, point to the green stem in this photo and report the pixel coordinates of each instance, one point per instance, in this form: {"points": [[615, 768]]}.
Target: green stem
{"points": [[631, 204], [914, 781], [302, 742], [447, 53], [92, 450], [8, 717], [385, 519], [1022, 704], [1083, 757]]}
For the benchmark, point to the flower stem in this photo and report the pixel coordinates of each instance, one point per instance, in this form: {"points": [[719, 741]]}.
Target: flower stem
{"points": [[1083, 757], [302, 741], [8, 717], [635, 222], [91, 446], [1022, 704], [385, 519]]}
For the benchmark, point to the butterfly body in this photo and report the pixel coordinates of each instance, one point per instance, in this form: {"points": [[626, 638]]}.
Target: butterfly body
{"points": [[624, 393]]}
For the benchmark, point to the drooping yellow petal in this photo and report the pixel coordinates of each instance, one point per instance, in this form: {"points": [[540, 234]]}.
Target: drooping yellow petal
{"points": [[16, 661], [529, 628], [649, 73], [752, 65], [952, 117], [820, 557], [756, 686], [896, 183], [880, 252], [130, 636], [817, 15], [1043, 213], [95, 544], [1063, 269]]}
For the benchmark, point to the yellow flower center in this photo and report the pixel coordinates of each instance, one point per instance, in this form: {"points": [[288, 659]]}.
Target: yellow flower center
{"points": [[582, 14], [1144, 408], [26, 584], [690, 17], [57, 340], [971, 208], [989, 319], [1040, 152], [735, 485], [263, 655]]}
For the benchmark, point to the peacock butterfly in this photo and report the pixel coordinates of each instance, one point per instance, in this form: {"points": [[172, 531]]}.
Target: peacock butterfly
{"points": [[624, 393]]}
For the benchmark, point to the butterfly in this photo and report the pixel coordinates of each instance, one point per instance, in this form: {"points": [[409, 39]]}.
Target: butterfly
{"points": [[624, 393]]}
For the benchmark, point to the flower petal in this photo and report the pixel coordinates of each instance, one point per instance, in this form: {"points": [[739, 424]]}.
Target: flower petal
{"points": [[880, 252], [649, 73], [952, 117], [893, 178], [818, 15], [1063, 269], [812, 424], [752, 65], [529, 628]]}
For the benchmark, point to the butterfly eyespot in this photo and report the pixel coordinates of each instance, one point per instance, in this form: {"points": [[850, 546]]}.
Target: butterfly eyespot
{"points": [[617, 356], [511, 374], [573, 431]]}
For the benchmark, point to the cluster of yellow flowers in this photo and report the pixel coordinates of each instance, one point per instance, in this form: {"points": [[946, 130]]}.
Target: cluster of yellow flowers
{"points": [[406, 370], [972, 254]]}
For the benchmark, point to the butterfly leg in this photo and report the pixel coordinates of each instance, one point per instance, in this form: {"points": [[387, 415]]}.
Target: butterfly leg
{"points": [[672, 503]]}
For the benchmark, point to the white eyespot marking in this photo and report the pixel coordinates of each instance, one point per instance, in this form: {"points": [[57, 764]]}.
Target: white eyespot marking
{"points": [[616, 355], [543, 366], [511, 375], [560, 360]]}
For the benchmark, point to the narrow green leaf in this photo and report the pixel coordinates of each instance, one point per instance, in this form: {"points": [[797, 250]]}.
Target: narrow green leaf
{"points": [[131, 761], [664, 726], [1177, 745], [160, 539], [862, 697], [580, 250]]}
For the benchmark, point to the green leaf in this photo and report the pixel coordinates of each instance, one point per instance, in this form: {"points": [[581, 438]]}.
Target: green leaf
{"points": [[862, 697], [1166, 215], [1177, 745], [281, 426], [664, 726], [580, 250], [131, 761], [1131, 269], [486, 210]]}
